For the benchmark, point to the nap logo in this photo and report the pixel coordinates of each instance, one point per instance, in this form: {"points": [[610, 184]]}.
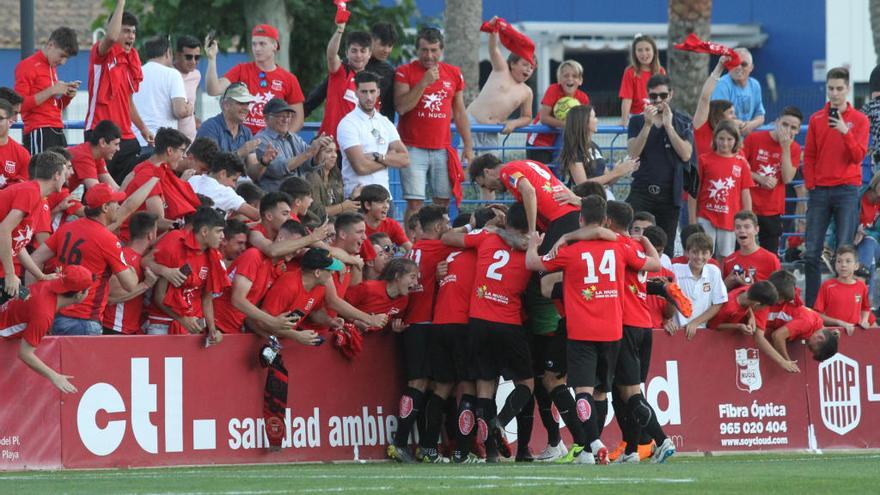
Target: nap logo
{"points": [[748, 370], [839, 398]]}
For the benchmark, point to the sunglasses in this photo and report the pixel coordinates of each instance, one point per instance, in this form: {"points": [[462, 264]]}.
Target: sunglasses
{"points": [[387, 249], [658, 96], [263, 82], [191, 57], [379, 139]]}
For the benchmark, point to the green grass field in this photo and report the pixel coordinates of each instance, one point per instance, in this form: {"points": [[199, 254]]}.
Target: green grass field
{"points": [[740, 474]]}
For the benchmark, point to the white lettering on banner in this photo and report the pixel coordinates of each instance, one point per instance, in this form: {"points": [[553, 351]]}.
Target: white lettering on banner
{"points": [[100, 397], [9, 443], [869, 378], [748, 420], [669, 385], [840, 400]]}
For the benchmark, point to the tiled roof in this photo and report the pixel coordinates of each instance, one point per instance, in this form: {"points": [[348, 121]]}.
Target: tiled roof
{"points": [[50, 14]]}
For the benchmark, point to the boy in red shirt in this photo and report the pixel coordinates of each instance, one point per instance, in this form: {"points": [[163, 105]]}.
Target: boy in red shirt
{"points": [[263, 78], [746, 308], [751, 263], [843, 301], [569, 78], [14, 157], [89, 159], [30, 319], [774, 157], [375, 203], [341, 97], [124, 313]]}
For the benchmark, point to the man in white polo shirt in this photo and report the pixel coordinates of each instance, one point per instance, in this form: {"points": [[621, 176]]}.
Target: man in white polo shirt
{"points": [[369, 141], [219, 185]]}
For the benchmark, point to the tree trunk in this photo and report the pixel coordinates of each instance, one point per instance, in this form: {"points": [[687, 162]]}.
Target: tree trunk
{"points": [[874, 10], [688, 70], [274, 13], [463, 19]]}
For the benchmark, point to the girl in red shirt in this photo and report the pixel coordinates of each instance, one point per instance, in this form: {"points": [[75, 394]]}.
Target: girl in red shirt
{"points": [[725, 180], [644, 63], [389, 294]]}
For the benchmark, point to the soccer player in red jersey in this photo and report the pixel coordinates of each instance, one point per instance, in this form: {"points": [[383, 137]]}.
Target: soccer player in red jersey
{"points": [[746, 309], [375, 203], [14, 157], [274, 212], [658, 306], [188, 308], [263, 78], [389, 294], [90, 158], [30, 319], [774, 157], [125, 308], [19, 208], [751, 263], [843, 301], [593, 286], [88, 242], [252, 274], [341, 97]]}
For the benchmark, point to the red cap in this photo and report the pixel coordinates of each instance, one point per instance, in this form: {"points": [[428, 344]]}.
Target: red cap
{"points": [[265, 30], [101, 194], [74, 278]]}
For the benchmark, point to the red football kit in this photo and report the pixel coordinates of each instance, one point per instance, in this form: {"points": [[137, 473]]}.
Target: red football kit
{"points": [[128, 316], [427, 124], [553, 94], [113, 78], [593, 280], [427, 253], [391, 227], [732, 312], [14, 159], [500, 278], [84, 166], [264, 86], [545, 183], [371, 296], [25, 197], [831, 158], [843, 301], [635, 306], [341, 99], [801, 321], [288, 295], [454, 295], [758, 265], [765, 157], [29, 319], [255, 266], [88, 243], [635, 87], [33, 75], [722, 180]]}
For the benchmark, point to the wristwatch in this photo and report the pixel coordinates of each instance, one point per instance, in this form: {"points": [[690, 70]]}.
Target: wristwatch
{"points": [[379, 158]]}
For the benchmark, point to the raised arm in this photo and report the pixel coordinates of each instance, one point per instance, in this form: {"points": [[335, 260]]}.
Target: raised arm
{"points": [[114, 29], [333, 60], [701, 114]]}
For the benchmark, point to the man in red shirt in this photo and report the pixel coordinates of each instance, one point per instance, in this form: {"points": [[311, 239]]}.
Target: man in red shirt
{"points": [[375, 203], [263, 78], [341, 97], [751, 263], [14, 157], [88, 243], [30, 319], [837, 140], [774, 157], [428, 96], [19, 208], [89, 158], [45, 96], [124, 313], [114, 76]]}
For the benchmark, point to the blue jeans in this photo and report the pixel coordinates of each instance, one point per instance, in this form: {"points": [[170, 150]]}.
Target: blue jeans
{"points": [[869, 252], [840, 203], [64, 325]]}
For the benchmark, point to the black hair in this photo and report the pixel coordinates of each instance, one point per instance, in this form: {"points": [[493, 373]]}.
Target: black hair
{"points": [[385, 33], [167, 137], [516, 218], [207, 217], [785, 283], [129, 19], [659, 80], [90, 212], [226, 162], [296, 188], [481, 163], [838, 73], [645, 216], [310, 220], [589, 188], [203, 149], [11, 96], [431, 35], [271, 200], [360, 38], [620, 213], [792, 111], [689, 230], [482, 216], [462, 219], [293, 227], [156, 46], [250, 192], [593, 210], [6, 107], [106, 130], [763, 292], [235, 227], [827, 348], [397, 268], [656, 236], [375, 237], [187, 41], [205, 200], [141, 224], [61, 150], [747, 215], [46, 164], [431, 214], [345, 220], [65, 39], [366, 76], [373, 193]]}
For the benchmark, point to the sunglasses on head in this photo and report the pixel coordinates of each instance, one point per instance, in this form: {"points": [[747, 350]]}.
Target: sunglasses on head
{"points": [[658, 96], [191, 57]]}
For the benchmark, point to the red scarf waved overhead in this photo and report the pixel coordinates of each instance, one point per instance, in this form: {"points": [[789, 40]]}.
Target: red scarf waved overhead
{"points": [[342, 13], [512, 39], [694, 44]]}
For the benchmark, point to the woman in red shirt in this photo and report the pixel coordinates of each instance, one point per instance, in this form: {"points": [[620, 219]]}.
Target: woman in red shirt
{"points": [[644, 63], [725, 180]]}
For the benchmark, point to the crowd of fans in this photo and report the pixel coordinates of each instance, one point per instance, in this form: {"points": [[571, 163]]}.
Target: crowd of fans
{"points": [[161, 224]]}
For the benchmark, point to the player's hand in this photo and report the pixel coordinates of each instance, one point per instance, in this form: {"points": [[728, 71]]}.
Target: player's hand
{"points": [[322, 232], [431, 76], [337, 323], [567, 197], [508, 128], [554, 250], [211, 48], [185, 176], [734, 279], [12, 285], [535, 239], [790, 366], [150, 278], [306, 337], [865, 324], [442, 269], [356, 261], [377, 320], [397, 325], [690, 330], [285, 321], [745, 329], [349, 206], [849, 327], [174, 276], [190, 324], [63, 384]]}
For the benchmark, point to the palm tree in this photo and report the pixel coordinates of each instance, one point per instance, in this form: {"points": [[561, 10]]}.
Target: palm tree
{"points": [[462, 20], [688, 69]]}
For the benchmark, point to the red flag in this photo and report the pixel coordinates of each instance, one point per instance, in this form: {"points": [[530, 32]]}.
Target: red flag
{"points": [[512, 39], [342, 13], [694, 44]]}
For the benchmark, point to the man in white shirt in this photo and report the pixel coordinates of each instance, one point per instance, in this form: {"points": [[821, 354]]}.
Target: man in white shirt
{"points": [[161, 99], [219, 185], [186, 61], [369, 141]]}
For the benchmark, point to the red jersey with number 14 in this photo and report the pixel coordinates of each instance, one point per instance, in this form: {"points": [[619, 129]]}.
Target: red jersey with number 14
{"points": [[593, 280], [427, 253], [499, 281], [545, 183], [635, 296]]}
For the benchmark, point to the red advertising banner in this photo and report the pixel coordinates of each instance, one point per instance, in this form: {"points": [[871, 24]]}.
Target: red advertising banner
{"points": [[30, 410]]}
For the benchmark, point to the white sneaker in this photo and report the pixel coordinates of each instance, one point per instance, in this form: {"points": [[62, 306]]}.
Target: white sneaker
{"points": [[585, 457], [551, 453], [664, 451], [628, 458]]}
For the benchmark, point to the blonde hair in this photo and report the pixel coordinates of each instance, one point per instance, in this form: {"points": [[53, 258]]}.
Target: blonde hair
{"points": [[634, 61], [573, 64]]}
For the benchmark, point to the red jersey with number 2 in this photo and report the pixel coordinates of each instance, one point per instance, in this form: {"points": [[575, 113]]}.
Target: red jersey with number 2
{"points": [[500, 279], [545, 183]]}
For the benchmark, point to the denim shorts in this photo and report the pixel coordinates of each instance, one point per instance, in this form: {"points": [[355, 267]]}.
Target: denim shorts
{"points": [[422, 164], [65, 325]]}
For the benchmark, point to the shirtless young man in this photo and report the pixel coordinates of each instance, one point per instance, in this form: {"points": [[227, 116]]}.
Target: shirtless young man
{"points": [[504, 92]]}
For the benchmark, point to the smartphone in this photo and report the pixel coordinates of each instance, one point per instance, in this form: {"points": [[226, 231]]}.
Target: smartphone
{"points": [[299, 313], [186, 269], [833, 113], [319, 341], [212, 35]]}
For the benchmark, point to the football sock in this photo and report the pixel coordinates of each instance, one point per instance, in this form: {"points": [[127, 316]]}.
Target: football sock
{"points": [[525, 420], [433, 420], [567, 409], [466, 423], [514, 404], [545, 409], [584, 406], [411, 403], [601, 414]]}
